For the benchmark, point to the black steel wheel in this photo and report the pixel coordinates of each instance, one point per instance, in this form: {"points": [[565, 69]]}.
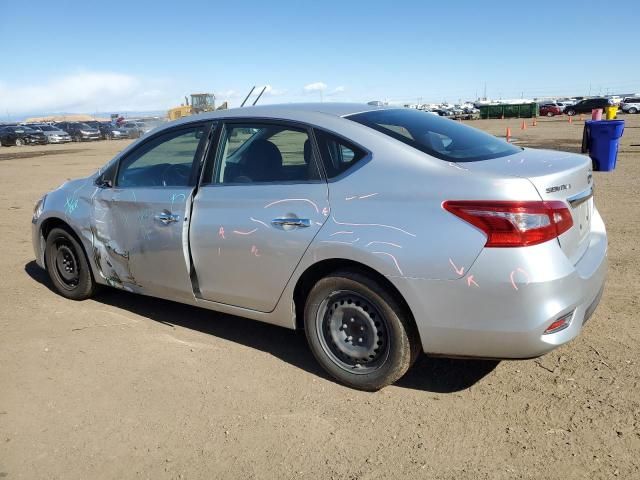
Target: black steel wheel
{"points": [[67, 266], [352, 332], [358, 331]]}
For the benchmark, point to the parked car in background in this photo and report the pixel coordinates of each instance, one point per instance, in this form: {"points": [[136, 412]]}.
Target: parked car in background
{"points": [[585, 106], [20, 135], [53, 134], [117, 133], [132, 129], [630, 105], [103, 127], [79, 131], [550, 109], [285, 214]]}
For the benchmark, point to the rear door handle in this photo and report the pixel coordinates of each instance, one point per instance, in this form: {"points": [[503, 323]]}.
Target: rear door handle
{"points": [[291, 222], [166, 218]]}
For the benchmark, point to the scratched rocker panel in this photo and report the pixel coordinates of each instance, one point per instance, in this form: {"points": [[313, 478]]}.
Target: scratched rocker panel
{"points": [[382, 232]]}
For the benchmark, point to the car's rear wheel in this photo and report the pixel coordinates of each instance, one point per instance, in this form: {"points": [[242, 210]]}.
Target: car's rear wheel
{"points": [[633, 110], [19, 142], [358, 332], [67, 266], [571, 112], [549, 114]]}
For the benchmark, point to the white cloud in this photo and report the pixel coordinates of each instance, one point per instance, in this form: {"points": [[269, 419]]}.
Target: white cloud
{"points": [[269, 90], [85, 92], [337, 90], [315, 87]]}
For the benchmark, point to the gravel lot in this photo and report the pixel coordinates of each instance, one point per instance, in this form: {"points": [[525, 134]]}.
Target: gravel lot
{"points": [[125, 386]]}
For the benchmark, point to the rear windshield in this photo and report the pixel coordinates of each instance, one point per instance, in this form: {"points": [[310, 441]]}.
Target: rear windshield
{"points": [[439, 137]]}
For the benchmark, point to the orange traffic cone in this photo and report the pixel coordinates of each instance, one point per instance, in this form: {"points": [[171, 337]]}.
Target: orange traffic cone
{"points": [[508, 134], [570, 119], [535, 123], [523, 126], [502, 117], [581, 117]]}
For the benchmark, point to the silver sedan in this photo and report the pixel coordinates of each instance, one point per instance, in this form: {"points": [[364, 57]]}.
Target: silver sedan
{"points": [[382, 232]]}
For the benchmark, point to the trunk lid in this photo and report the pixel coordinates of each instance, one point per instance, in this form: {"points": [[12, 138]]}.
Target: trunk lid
{"points": [[556, 176]]}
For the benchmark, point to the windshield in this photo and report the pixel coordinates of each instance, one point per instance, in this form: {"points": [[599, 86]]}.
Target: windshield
{"points": [[439, 137], [48, 128]]}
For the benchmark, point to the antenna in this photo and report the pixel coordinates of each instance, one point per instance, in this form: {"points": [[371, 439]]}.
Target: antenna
{"points": [[248, 95], [263, 89]]}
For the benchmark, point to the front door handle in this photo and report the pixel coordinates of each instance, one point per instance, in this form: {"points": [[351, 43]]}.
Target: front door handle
{"points": [[167, 217], [291, 222]]}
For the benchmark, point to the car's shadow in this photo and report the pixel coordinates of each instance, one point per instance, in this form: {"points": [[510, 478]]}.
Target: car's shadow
{"points": [[428, 374]]}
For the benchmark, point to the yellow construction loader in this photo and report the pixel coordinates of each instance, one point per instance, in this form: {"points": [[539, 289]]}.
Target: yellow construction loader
{"points": [[200, 102]]}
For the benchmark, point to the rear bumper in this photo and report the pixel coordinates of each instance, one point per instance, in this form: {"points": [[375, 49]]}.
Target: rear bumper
{"points": [[505, 302]]}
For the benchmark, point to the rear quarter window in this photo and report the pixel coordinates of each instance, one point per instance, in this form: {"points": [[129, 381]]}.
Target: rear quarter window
{"points": [[338, 155]]}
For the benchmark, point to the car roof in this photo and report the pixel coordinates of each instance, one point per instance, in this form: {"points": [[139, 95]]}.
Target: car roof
{"points": [[335, 109]]}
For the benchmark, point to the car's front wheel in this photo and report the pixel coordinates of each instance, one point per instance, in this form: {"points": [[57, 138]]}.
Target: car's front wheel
{"points": [[358, 331], [633, 110], [549, 114], [67, 266], [571, 112], [19, 142]]}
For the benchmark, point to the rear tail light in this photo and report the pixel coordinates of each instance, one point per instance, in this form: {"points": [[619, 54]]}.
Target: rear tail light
{"points": [[560, 324], [514, 224]]}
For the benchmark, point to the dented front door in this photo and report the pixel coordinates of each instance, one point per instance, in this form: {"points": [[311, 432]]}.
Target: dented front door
{"points": [[141, 215]]}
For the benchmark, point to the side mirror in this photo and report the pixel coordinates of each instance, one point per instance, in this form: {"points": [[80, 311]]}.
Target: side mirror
{"points": [[104, 182]]}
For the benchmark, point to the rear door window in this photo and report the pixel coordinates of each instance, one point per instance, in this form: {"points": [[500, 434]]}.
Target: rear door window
{"points": [[264, 153]]}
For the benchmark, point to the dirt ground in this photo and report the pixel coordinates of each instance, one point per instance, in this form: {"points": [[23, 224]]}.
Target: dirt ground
{"points": [[124, 386]]}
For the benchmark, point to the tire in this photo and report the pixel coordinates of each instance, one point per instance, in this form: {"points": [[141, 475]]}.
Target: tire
{"points": [[77, 139], [67, 266], [549, 114], [389, 344], [20, 142], [571, 112], [632, 110]]}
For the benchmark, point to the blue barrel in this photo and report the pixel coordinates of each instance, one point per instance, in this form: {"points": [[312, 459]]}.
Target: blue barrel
{"points": [[603, 138]]}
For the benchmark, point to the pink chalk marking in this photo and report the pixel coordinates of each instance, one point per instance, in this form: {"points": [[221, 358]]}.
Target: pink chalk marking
{"points": [[240, 232], [258, 221], [341, 232], [513, 283], [338, 241], [393, 258], [373, 225], [221, 233], [384, 243], [459, 271], [293, 200], [254, 250], [470, 280]]}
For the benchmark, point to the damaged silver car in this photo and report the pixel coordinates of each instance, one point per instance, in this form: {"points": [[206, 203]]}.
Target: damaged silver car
{"points": [[383, 232]]}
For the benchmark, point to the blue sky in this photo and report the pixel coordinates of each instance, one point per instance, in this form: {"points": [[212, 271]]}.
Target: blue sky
{"points": [[146, 55]]}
